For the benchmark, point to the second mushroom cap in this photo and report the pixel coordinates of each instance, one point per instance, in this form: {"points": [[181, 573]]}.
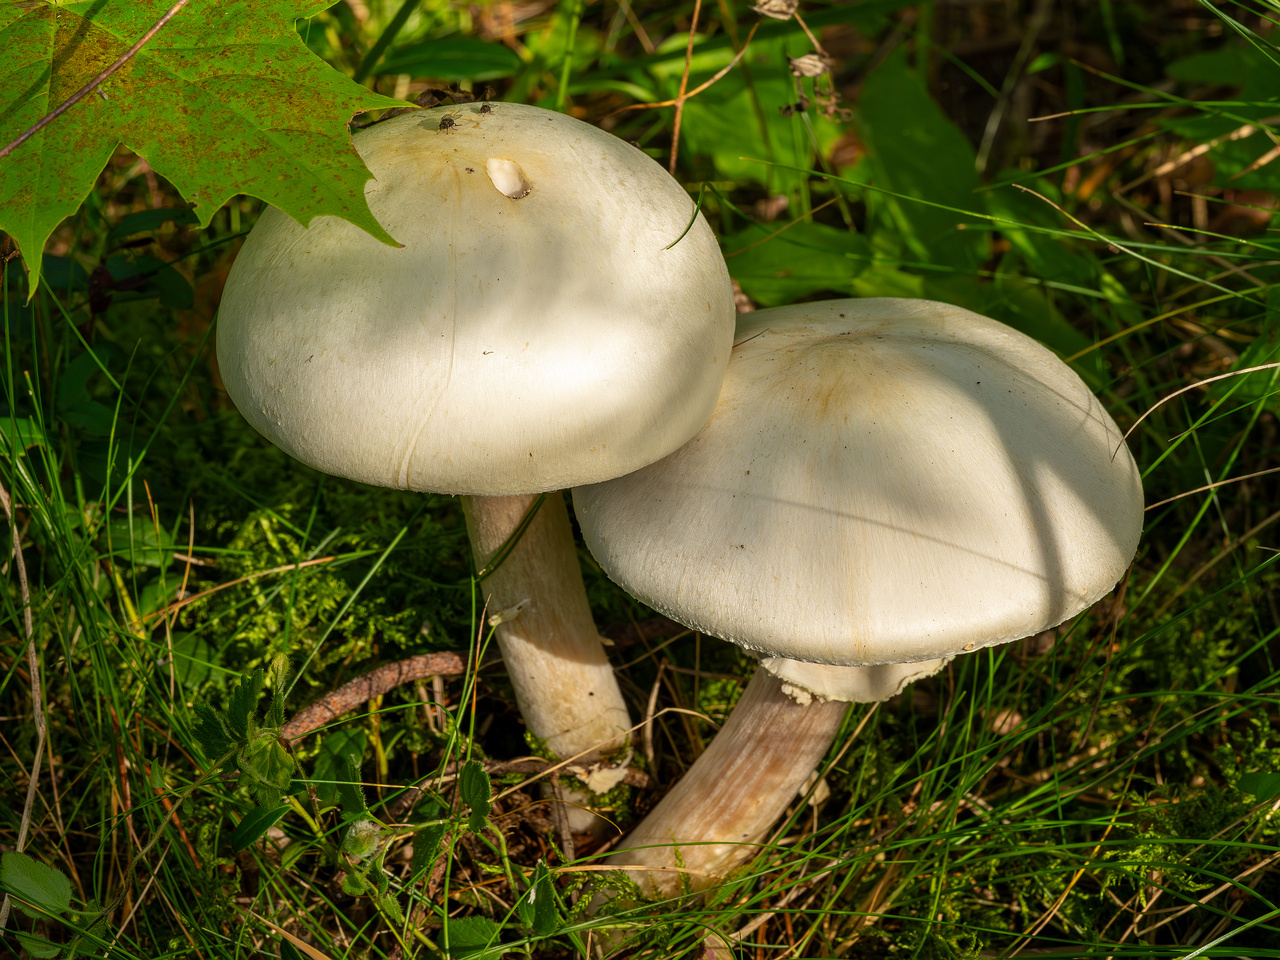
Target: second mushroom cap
{"points": [[882, 481]]}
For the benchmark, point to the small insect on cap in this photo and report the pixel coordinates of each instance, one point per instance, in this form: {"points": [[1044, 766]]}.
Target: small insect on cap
{"points": [[882, 481], [539, 327]]}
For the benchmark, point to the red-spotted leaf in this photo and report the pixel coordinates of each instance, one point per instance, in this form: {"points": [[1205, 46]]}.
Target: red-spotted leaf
{"points": [[225, 99]]}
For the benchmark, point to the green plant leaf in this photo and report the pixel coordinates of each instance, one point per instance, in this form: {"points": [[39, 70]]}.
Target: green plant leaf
{"points": [[426, 840], [225, 99], [350, 795], [355, 884], [75, 404], [193, 661], [36, 883], [256, 823], [212, 732], [723, 121], [23, 432], [37, 946], [804, 259], [471, 937], [289, 952], [279, 683], [917, 153], [329, 768], [145, 278], [145, 547], [155, 595], [453, 58], [147, 220], [1048, 257], [266, 769], [390, 906], [473, 784], [294, 852], [60, 273], [537, 905], [1264, 786], [243, 703], [1254, 73]]}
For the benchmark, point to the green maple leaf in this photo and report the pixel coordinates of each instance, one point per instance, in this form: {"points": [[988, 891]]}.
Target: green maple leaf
{"points": [[225, 99]]}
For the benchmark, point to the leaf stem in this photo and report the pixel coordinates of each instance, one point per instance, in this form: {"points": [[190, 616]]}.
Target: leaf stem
{"points": [[301, 811], [566, 64], [379, 47], [684, 85], [89, 87]]}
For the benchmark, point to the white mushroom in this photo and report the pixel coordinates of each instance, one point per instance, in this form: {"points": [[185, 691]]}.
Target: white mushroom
{"points": [[540, 327], [882, 482]]}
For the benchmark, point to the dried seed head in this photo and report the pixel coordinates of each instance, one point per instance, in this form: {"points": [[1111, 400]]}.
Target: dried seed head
{"points": [[811, 65], [777, 9]]}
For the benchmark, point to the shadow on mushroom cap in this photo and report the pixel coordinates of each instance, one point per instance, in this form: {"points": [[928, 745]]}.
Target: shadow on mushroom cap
{"points": [[515, 343], [882, 481]]}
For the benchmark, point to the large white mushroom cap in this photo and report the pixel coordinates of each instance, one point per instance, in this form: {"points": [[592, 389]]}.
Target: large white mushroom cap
{"points": [[882, 481], [533, 332]]}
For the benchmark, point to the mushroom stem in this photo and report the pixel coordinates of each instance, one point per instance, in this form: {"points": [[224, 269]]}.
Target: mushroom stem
{"points": [[564, 685], [719, 812]]}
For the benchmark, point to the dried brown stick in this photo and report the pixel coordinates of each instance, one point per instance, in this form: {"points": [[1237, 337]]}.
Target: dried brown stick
{"points": [[720, 74], [370, 685], [37, 691], [93, 84], [684, 85]]}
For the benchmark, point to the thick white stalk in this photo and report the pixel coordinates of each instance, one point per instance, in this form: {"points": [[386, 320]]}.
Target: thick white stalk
{"points": [[564, 685], [716, 816]]}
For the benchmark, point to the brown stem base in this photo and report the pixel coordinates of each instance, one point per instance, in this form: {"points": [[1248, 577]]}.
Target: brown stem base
{"points": [[716, 816]]}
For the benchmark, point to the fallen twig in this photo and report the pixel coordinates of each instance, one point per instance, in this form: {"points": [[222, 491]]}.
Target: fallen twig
{"points": [[372, 684]]}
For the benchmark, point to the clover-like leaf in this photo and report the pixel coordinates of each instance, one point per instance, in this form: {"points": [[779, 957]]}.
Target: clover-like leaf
{"points": [[225, 99]]}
